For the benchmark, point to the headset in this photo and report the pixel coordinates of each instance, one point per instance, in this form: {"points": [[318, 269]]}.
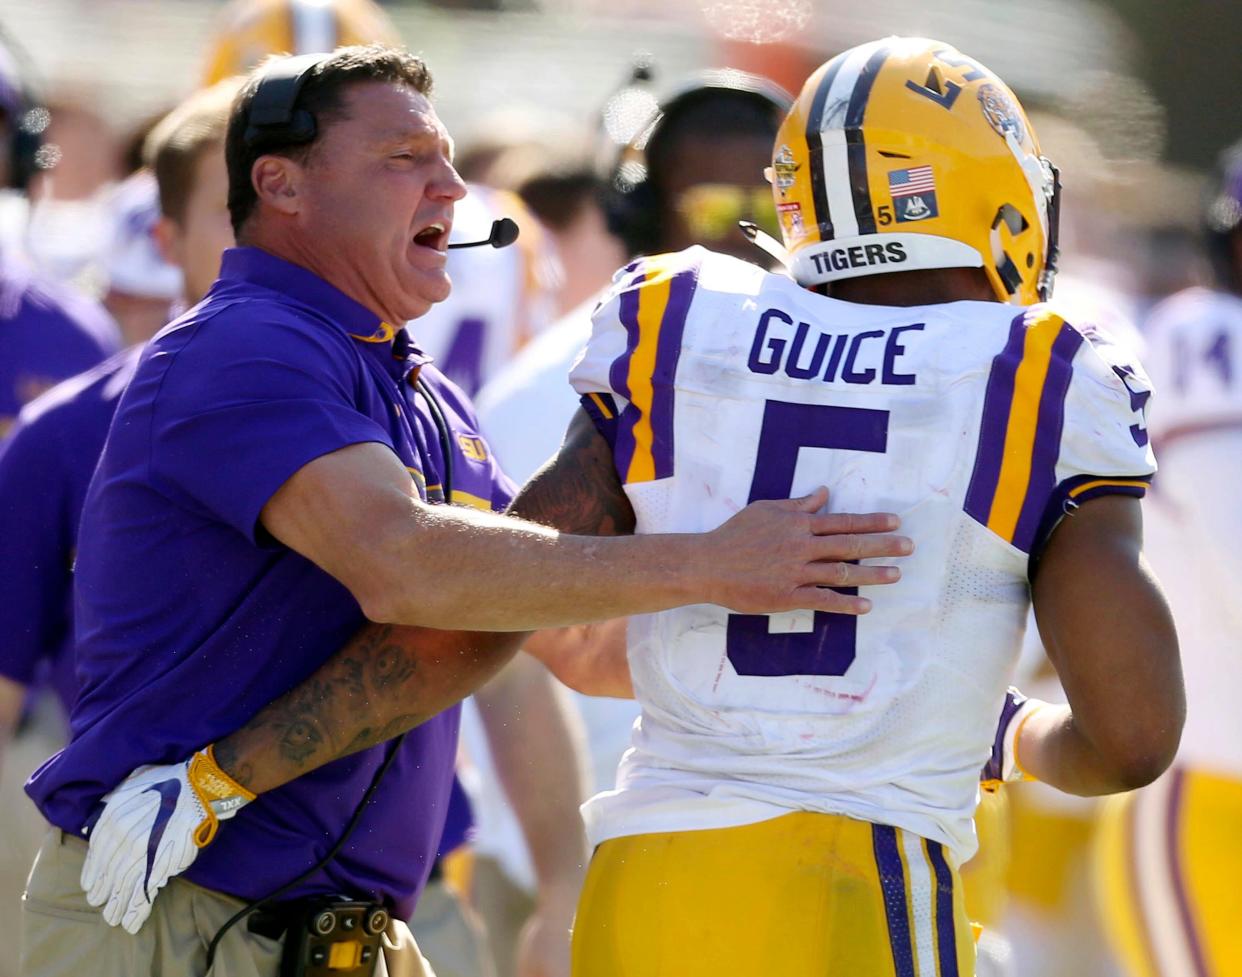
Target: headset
{"points": [[27, 118], [631, 199], [273, 118]]}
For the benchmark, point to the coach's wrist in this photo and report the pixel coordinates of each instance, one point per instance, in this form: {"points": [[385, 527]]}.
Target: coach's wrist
{"points": [[227, 755]]}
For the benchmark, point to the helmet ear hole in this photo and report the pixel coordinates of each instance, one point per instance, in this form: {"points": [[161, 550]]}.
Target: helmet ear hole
{"points": [[1030, 259], [1010, 277], [1012, 218]]}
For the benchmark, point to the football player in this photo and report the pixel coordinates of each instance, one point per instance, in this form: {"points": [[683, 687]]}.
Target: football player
{"points": [[1169, 855], [800, 787]]}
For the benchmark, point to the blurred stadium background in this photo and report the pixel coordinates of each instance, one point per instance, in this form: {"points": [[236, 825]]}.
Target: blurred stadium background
{"points": [[1132, 98], [1142, 92]]}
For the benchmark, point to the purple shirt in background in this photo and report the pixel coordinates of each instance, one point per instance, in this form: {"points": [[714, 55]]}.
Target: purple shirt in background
{"points": [[45, 466], [47, 334], [190, 618]]}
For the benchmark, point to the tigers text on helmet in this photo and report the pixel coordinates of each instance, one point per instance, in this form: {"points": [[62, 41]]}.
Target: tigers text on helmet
{"points": [[905, 154]]}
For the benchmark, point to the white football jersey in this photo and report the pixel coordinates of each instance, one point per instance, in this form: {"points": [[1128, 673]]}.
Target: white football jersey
{"points": [[501, 296], [718, 383], [1194, 522]]}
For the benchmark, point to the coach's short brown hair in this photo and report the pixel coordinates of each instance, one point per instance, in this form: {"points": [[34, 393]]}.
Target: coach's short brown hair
{"points": [[179, 140], [322, 96]]}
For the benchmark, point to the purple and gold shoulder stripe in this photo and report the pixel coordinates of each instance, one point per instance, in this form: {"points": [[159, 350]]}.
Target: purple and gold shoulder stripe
{"points": [[1013, 487], [653, 311]]}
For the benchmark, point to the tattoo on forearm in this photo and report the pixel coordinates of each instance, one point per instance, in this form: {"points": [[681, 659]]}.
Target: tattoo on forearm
{"points": [[319, 720], [579, 491]]}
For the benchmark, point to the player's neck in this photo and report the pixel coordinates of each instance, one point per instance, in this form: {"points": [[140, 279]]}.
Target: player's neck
{"points": [[926, 287]]}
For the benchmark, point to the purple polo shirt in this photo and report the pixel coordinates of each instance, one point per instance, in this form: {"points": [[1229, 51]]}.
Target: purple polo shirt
{"points": [[190, 618], [45, 466], [47, 333]]}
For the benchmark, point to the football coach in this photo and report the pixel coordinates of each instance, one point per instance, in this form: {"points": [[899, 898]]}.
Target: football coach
{"points": [[273, 478]]}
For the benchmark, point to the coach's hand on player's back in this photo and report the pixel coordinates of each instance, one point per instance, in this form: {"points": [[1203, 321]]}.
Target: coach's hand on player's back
{"points": [[784, 555]]}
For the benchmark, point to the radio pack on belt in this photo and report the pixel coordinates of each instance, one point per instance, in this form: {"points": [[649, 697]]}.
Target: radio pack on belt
{"points": [[325, 936]]}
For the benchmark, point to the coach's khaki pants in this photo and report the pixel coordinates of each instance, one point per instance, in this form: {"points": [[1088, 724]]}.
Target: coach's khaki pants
{"points": [[22, 826], [64, 937]]}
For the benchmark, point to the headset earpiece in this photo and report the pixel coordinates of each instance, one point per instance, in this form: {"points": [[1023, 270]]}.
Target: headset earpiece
{"points": [[273, 119]]}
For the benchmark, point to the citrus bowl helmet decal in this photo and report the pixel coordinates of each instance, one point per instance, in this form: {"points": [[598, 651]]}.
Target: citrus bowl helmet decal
{"points": [[905, 154]]}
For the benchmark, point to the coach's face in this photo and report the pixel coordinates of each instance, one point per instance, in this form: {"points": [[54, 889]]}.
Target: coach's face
{"points": [[377, 200]]}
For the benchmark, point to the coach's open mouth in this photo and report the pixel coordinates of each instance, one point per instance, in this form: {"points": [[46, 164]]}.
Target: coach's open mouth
{"points": [[433, 236]]}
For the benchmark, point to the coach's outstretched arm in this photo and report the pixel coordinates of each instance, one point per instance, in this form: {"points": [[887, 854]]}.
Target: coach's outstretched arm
{"points": [[388, 679], [1109, 634], [356, 514]]}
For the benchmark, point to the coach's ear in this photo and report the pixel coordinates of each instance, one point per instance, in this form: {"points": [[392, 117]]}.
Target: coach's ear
{"points": [[278, 181]]}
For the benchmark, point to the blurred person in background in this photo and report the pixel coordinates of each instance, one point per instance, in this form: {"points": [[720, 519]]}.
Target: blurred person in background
{"points": [[47, 461], [1168, 857], [69, 226], [247, 31], [501, 297], [569, 203], [142, 286], [714, 132], [47, 332]]}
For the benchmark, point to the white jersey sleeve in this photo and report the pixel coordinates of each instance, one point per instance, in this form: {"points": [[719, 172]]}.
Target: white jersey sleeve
{"points": [[1064, 420], [626, 375], [1105, 447]]}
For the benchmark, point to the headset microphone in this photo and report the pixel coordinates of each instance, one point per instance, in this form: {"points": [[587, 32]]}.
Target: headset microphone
{"points": [[504, 233]]}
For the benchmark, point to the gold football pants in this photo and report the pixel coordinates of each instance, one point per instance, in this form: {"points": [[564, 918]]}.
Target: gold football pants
{"points": [[802, 895]]}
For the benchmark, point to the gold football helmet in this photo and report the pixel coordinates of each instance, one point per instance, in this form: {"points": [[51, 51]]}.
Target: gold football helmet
{"points": [[250, 30], [905, 154]]}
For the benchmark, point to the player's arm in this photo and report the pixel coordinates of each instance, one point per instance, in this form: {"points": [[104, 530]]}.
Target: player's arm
{"points": [[589, 658], [354, 513], [1108, 631]]}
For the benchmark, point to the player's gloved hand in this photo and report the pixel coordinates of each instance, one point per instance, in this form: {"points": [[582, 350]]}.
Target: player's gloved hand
{"points": [[1003, 767], [151, 828]]}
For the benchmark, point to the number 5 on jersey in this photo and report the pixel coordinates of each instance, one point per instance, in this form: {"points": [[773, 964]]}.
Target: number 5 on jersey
{"points": [[828, 648]]}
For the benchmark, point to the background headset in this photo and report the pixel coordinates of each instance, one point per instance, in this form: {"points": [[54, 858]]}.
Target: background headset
{"points": [[631, 198], [25, 116]]}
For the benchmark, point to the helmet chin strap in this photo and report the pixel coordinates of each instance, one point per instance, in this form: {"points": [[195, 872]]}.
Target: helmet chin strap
{"points": [[764, 241]]}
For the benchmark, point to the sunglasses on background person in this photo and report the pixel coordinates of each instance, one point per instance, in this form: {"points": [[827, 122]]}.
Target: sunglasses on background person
{"points": [[711, 210]]}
